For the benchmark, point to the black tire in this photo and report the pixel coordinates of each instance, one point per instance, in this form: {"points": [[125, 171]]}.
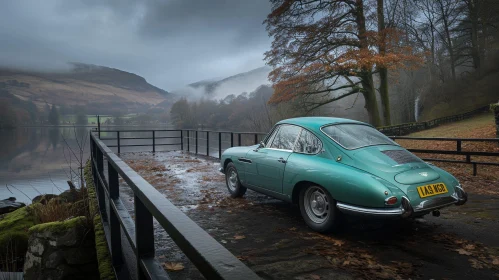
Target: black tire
{"points": [[324, 216], [236, 189]]}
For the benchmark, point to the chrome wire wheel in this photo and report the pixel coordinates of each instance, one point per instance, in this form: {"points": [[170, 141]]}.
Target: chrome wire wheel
{"points": [[231, 178], [316, 204]]}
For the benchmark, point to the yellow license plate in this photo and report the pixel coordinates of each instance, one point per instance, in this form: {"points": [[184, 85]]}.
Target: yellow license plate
{"points": [[432, 189]]}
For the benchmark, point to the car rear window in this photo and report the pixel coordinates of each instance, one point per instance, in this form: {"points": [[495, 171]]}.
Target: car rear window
{"points": [[354, 136]]}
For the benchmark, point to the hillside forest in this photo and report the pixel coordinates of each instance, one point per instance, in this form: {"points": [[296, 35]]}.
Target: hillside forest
{"points": [[402, 60]]}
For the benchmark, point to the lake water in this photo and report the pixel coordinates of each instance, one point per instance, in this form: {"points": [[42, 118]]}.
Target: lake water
{"points": [[37, 160]]}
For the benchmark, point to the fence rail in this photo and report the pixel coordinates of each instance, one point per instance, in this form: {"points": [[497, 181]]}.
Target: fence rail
{"points": [[406, 128], [457, 151], [209, 256]]}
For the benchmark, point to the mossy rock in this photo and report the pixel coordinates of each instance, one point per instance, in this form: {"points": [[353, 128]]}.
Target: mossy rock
{"points": [[14, 228], [58, 227], [106, 270]]}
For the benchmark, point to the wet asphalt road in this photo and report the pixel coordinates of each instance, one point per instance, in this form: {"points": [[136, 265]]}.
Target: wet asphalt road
{"points": [[271, 238]]}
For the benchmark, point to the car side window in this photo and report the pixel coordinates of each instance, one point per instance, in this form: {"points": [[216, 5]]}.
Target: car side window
{"points": [[271, 137], [286, 137], [308, 143]]}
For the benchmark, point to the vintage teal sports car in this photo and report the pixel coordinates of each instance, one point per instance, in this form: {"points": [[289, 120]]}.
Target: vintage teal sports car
{"points": [[331, 166]]}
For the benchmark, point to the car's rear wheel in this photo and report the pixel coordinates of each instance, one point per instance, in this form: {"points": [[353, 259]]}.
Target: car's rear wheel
{"points": [[234, 186], [318, 209]]}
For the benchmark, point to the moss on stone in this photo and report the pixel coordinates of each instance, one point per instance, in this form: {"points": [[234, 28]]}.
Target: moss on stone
{"points": [[106, 270], [14, 230], [58, 226]]}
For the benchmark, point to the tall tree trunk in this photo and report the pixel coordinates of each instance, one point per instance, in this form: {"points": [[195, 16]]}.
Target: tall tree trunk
{"points": [[369, 94], [383, 72], [450, 49], [475, 52], [366, 75]]}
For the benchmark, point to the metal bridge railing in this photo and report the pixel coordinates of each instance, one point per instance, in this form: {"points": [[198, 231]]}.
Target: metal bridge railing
{"points": [[209, 256]]}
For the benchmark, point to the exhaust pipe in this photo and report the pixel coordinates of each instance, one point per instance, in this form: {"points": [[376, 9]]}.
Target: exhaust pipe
{"points": [[436, 213]]}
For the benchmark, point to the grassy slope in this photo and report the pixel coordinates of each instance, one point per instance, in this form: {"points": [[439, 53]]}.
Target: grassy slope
{"points": [[481, 126]]}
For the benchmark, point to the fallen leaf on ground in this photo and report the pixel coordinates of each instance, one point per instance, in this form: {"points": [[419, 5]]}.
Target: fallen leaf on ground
{"points": [[495, 261], [469, 247], [315, 276], [463, 252], [173, 266], [475, 263], [237, 237]]}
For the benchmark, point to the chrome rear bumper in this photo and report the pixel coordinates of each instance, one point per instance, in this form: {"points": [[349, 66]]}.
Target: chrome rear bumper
{"points": [[406, 209]]}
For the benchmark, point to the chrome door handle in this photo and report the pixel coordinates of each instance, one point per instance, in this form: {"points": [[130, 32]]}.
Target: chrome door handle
{"points": [[282, 160]]}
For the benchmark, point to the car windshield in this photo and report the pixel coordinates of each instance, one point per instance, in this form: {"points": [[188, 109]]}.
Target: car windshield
{"points": [[354, 136]]}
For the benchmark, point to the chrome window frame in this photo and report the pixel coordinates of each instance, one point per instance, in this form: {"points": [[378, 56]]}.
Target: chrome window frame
{"points": [[280, 126], [334, 124]]}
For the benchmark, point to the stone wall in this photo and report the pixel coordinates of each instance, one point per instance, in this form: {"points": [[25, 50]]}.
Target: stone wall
{"points": [[61, 250]]}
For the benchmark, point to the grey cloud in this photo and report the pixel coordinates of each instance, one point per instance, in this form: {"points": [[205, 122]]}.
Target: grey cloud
{"points": [[170, 43]]}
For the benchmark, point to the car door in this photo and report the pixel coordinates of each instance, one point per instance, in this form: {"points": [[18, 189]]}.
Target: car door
{"points": [[268, 163]]}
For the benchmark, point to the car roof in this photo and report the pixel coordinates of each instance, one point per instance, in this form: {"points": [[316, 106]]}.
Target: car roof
{"points": [[315, 123]]}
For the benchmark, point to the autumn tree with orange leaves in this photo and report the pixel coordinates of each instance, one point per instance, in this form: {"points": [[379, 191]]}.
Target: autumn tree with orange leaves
{"points": [[326, 50]]}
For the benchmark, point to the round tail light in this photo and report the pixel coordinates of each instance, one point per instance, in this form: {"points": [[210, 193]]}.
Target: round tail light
{"points": [[391, 200]]}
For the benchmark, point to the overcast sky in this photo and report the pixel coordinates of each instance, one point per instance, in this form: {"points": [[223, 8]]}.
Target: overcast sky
{"points": [[169, 42]]}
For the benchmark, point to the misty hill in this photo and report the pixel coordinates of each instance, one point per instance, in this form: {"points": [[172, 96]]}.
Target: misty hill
{"points": [[83, 85], [220, 88]]}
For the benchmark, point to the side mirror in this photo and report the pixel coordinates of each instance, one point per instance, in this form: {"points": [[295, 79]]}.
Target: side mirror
{"points": [[260, 145]]}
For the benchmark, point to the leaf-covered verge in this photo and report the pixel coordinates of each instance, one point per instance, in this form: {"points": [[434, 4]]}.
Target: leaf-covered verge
{"points": [[481, 126], [103, 256]]}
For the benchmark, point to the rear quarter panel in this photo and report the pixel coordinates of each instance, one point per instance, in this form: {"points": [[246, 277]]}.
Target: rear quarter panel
{"points": [[345, 183]]}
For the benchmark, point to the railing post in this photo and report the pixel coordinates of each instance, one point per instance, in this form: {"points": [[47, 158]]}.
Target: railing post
{"points": [[118, 138], [458, 145], [188, 140], [474, 169], [144, 235], [468, 158], [232, 139], [181, 140], [154, 141], [207, 143], [196, 142], [220, 145], [100, 187], [256, 138], [239, 139], [114, 223], [98, 124]]}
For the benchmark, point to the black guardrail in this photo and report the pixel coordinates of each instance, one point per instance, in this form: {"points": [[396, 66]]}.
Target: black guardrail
{"points": [[209, 256], [186, 138], [457, 151], [407, 128]]}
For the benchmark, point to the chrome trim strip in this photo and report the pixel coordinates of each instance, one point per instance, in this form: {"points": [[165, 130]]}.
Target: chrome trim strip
{"points": [[384, 212], [435, 203], [282, 150]]}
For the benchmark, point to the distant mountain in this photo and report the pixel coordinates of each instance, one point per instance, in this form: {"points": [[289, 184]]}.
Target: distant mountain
{"points": [[220, 88], [83, 85]]}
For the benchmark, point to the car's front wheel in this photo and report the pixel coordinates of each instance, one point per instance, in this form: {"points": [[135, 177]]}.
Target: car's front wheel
{"points": [[234, 186], [318, 209]]}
